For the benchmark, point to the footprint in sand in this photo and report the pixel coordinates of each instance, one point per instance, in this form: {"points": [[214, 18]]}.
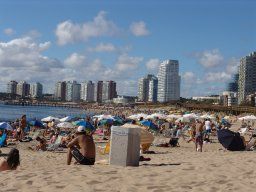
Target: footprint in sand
{"points": [[93, 182], [29, 182]]}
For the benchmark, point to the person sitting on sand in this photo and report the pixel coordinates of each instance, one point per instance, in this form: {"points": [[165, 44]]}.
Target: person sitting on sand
{"points": [[42, 144], [82, 148], [11, 162]]}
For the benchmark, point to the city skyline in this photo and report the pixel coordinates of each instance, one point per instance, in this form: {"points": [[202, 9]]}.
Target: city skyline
{"points": [[95, 40]]}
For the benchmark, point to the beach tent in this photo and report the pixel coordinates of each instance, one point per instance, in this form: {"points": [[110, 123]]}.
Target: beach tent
{"points": [[66, 125], [7, 126], [230, 140], [50, 118]]}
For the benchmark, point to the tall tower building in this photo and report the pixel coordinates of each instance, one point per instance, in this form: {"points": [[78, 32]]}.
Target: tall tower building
{"points": [[12, 87], [147, 88], [23, 89], [73, 90], [247, 77], [36, 90], [233, 86], [60, 90], [98, 92], [168, 81], [108, 90], [87, 91]]}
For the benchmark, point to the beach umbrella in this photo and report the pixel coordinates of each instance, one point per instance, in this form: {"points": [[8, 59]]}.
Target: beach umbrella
{"points": [[36, 123], [230, 140], [7, 126], [50, 118], [157, 115], [65, 125], [191, 116], [66, 119], [138, 116], [149, 124], [88, 126], [183, 120]]}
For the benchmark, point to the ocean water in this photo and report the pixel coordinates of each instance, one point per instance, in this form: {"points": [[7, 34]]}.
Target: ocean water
{"points": [[12, 112]]}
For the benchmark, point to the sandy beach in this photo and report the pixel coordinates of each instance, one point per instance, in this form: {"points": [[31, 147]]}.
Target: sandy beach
{"points": [[170, 169]]}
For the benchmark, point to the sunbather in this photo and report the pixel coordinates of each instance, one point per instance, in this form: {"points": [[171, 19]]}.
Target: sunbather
{"points": [[11, 162], [82, 148], [42, 144]]}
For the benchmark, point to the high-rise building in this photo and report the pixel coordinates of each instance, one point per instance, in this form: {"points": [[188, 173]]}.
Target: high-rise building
{"points": [[247, 77], [23, 89], [36, 90], [87, 91], [108, 90], [233, 86], [147, 88], [60, 90], [98, 92], [73, 90], [168, 81], [12, 87]]}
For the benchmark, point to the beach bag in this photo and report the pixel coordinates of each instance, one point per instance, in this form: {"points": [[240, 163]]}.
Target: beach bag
{"points": [[174, 142], [77, 155]]}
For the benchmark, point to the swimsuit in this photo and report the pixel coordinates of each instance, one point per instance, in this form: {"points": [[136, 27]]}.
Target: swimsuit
{"points": [[82, 159]]}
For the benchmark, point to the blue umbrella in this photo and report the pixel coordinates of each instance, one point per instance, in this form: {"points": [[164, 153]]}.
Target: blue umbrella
{"points": [[36, 123], [149, 124], [7, 126], [88, 126]]}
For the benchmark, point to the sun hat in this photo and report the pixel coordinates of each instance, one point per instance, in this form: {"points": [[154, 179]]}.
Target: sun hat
{"points": [[81, 129]]}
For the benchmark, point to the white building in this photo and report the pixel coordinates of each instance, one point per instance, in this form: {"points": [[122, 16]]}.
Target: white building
{"points": [[12, 87], [73, 90], [23, 89], [87, 91], [60, 91], [147, 88], [247, 77], [168, 81], [36, 90]]}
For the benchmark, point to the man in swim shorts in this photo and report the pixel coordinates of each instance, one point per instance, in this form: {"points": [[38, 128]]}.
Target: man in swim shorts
{"points": [[82, 148]]}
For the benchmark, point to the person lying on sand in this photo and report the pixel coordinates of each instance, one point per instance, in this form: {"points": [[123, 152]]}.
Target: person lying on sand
{"points": [[82, 148], [11, 162]]}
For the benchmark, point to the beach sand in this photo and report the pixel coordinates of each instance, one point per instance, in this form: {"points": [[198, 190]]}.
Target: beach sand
{"points": [[170, 169]]}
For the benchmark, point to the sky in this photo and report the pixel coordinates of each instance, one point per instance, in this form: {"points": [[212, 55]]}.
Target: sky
{"points": [[49, 41]]}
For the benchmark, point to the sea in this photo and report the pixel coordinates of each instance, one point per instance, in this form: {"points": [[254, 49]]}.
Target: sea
{"points": [[13, 112]]}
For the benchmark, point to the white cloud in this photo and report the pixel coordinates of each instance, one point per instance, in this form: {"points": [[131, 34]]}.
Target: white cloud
{"points": [[75, 60], [126, 63], [69, 32], [139, 28], [9, 31], [209, 59], [217, 77], [232, 66], [103, 47], [153, 64], [188, 77]]}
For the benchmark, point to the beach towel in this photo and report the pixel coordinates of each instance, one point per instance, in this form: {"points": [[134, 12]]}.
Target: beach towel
{"points": [[56, 145]]}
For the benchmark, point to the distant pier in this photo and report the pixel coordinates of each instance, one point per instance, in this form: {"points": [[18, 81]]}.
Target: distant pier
{"points": [[42, 104]]}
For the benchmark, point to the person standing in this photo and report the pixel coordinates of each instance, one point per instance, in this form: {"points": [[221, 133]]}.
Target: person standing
{"points": [[23, 124], [199, 135]]}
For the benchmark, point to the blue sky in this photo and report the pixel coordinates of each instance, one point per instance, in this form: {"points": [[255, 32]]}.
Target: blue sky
{"points": [[48, 41]]}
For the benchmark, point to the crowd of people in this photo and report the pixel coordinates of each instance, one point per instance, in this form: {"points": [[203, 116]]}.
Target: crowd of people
{"points": [[81, 146]]}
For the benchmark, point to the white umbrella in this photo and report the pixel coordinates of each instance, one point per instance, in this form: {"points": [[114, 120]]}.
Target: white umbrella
{"points": [[66, 125], [191, 116], [66, 119], [183, 120], [157, 115], [138, 116], [7, 126], [50, 118], [173, 116]]}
